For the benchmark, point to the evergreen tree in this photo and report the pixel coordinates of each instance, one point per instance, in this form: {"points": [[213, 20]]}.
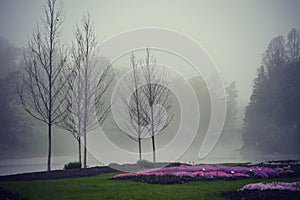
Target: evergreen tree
{"points": [[272, 116], [232, 106]]}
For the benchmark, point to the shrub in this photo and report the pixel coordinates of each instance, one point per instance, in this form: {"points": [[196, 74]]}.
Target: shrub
{"points": [[145, 164], [112, 165], [73, 165], [177, 164]]}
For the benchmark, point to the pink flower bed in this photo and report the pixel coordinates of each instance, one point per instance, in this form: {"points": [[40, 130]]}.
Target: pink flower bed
{"points": [[209, 171], [295, 186]]}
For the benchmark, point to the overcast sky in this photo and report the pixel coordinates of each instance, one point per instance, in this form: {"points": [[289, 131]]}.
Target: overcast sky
{"points": [[234, 32]]}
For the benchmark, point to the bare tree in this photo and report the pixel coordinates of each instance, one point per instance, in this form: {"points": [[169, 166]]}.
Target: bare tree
{"points": [[135, 106], [159, 105], [40, 91], [146, 98], [293, 46], [91, 82]]}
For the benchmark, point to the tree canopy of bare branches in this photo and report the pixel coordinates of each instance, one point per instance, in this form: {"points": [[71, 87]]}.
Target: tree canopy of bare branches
{"points": [[40, 91], [87, 108], [134, 107], [149, 107], [157, 97]]}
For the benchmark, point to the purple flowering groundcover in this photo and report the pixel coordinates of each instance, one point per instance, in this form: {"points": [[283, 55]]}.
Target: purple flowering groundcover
{"points": [[260, 191], [185, 173]]}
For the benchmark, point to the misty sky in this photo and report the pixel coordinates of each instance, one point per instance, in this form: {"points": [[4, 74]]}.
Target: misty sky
{"points": [[235, 32]]}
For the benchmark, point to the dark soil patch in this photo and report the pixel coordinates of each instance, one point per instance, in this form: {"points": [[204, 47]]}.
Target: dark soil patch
{"points": [[7, 195], [58, 174], [169, 179], [136, 167], [263, 195]]}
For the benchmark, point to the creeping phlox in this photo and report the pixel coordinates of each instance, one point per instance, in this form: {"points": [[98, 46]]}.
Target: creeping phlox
{"points": [[209, 171], [294, 186]]}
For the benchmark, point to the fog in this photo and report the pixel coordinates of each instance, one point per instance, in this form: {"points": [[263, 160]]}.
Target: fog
{"points": [[234, 34]]}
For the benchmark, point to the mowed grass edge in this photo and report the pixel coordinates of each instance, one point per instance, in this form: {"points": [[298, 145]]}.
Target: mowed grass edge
{"points": [[100, 187]]}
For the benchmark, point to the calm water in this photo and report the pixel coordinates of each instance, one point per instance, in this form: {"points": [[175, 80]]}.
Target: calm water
{"points": [[15, 166]]}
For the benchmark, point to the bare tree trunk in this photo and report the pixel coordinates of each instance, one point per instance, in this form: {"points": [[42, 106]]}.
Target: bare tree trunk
{"points": [[86, 101], [79, 150], [153, 149], [140, 148], [85, 152], [152, 137], [138, 104], [49, 147]]}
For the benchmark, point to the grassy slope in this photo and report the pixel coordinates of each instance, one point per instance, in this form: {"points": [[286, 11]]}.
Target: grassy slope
{"points": [[98, 187]]}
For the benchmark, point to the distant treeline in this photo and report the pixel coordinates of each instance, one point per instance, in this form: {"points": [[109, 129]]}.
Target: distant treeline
{"points": [[272, 118]]}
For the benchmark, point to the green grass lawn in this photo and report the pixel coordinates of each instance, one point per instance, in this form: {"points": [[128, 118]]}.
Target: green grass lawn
{"points": [[99, 187]]}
